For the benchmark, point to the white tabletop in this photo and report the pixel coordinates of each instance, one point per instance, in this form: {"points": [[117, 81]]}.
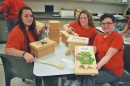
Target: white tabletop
{"points": [[48, 70], [126, 39]]}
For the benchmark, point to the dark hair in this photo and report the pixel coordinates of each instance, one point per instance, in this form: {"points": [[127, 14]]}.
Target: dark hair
{"points": [[108, 15], [89, 15], [32, 27]]}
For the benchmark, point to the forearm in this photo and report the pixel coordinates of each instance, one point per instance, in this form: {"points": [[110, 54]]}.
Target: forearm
{"points": [[107, 57], [66, 27], [103, 61], [125, 29], [14, 52]]}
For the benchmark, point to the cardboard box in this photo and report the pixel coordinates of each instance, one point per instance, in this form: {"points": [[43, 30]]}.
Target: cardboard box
{"points": [[65, 35], [54, 30], [69, 13], [42, 47], [76, 41], [85, 62]]}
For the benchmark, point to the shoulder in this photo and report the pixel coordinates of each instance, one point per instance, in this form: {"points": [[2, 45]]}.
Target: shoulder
{"points": [[16, 30], [94, 29], [117, 34], [100, 35], [74, 22]]}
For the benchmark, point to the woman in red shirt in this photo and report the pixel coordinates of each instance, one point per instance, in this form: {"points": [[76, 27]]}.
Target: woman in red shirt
{"points": [[108, 48], [21, 35], [84, 27]]}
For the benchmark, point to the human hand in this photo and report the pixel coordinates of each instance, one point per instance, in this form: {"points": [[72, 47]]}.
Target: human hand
{"points": [[122, 32], [70, 29], [28, 57], [5, 14], [44, 27], [96, 68]]}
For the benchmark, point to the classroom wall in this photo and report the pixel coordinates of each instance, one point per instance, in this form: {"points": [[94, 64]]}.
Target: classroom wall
{"points": [[39, 6]]}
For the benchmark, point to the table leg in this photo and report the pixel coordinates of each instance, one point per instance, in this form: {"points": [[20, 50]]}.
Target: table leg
{"points": [[60, 81]]}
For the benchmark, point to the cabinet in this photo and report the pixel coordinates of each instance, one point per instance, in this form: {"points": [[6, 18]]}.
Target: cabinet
{"points": [[3, 31]]}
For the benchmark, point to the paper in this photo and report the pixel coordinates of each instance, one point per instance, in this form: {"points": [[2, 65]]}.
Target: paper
{"points": [[70, 63], [84, 48]]}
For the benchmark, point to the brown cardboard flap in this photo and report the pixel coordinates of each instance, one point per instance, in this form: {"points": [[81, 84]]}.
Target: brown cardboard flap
{"points": [[66, 34], [38, 45], [81, 40]]}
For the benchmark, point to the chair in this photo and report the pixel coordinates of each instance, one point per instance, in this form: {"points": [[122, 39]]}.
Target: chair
{"points": [[16, 67], [125, 79]]}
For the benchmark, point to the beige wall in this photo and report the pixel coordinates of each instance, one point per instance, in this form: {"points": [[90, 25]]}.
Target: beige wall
{"points": [[93, 7], [38, 6]]}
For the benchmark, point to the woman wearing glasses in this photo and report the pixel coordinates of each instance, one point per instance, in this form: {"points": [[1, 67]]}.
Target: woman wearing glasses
{"points": [[84, 27], [108, 48]]}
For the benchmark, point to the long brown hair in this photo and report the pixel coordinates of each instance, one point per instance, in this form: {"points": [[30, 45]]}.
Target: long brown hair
{"points": [[32, 27], [89, 15]]}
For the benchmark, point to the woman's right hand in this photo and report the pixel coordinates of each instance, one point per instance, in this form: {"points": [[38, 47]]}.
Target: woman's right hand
{"points": [[70, 29], [28, 57], [122, 32]]}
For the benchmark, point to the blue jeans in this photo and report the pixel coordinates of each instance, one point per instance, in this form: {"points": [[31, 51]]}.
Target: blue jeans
{"points": [[104, 76], [10, 24]]}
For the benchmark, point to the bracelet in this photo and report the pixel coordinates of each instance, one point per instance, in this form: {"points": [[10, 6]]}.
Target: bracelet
{"points": [[24, 53]]}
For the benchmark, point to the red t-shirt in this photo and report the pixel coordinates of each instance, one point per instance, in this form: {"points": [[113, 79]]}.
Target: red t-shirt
{"points": [[114, 40], [11, 7], [16, 39], [90, 32], [129, 21]]}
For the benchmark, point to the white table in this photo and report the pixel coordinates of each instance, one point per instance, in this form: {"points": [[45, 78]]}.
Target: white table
{"points": [[48, 70], [126, 39]]}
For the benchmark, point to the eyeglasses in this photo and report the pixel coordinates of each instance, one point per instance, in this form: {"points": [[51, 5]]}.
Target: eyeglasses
{"points": [[107, 24]]}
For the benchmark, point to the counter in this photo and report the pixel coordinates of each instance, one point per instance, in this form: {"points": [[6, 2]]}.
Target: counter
{"points": [[48, 15]]}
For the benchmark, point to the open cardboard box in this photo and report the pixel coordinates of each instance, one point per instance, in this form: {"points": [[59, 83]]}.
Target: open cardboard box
{"points": [[65, 35]]}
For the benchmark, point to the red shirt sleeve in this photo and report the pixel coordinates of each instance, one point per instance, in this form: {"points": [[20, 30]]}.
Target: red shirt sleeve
{"points": [[4, 6], [129, 21]]}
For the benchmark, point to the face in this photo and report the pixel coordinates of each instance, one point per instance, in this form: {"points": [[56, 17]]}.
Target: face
{"points": [[107, 25], [27, 17], [83, 20]]}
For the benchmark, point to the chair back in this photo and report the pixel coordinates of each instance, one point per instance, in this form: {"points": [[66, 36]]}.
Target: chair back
{"points": [[16, 67], [126, 57]]}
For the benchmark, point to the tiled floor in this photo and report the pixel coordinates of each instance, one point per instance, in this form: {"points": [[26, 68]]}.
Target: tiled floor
{"points": [[17, 81]]}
